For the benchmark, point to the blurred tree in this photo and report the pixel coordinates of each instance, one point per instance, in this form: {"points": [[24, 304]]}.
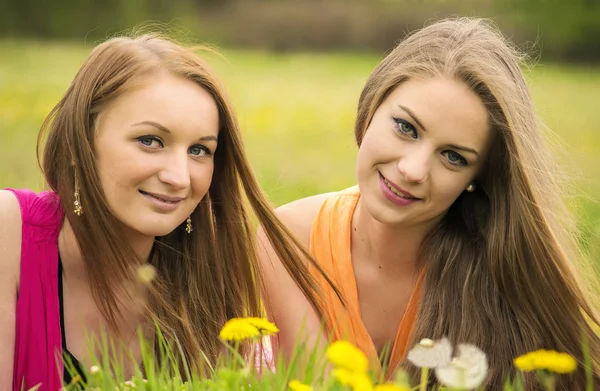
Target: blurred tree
{"points": [[566, 30]]}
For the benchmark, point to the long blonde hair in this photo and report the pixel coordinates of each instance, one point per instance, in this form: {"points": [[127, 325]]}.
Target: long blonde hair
{"points": [[204, 278], [500, 266]]}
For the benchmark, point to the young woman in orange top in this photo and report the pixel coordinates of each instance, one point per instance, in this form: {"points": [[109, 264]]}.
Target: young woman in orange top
{"points": [[456, 227]]}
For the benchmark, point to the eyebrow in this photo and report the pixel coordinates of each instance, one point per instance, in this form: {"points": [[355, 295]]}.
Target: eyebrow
{"points": [[460, 147], [165, 130], [414, 117]]}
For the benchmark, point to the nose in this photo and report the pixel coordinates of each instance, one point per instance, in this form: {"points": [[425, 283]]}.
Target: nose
{"points": [[414, 165], [175, 171]]}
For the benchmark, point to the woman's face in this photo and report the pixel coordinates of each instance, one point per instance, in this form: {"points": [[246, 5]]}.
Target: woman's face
{"points": [[425, 144], [155, 146]]}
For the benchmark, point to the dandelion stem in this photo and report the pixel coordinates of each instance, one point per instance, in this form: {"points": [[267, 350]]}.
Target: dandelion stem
{"points": [[549, 381], [424, 379]]}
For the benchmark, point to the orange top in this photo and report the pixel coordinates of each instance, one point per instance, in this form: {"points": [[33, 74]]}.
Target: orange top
{"points": [[330, 245]]}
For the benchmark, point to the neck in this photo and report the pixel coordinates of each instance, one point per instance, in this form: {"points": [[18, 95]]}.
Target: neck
{"points": [[393, 248], [72, 258]]}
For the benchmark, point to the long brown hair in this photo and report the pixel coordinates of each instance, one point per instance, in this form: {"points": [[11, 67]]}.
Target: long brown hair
{"points": [[204, 278], [500, 266]]}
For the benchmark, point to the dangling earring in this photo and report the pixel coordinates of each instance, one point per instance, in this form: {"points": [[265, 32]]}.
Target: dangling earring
{"points": [[77, 203], [188, 226], [471, 188]]}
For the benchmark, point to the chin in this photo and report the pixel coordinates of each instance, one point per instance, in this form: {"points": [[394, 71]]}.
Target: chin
{"points": [[381, 213], [153, 229], [159, 231]]}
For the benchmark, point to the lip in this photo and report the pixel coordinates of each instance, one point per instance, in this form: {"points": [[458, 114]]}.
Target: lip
{"points": [[162, 202], [393, 197], [401, 190], [164, 197]]}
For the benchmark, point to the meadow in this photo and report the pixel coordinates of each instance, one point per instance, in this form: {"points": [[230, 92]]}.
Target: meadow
{"points": [[297, 112]]}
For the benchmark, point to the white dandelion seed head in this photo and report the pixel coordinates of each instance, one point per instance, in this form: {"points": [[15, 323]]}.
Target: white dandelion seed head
{"points": [[427, 343], [467, 370], [431, 354]]}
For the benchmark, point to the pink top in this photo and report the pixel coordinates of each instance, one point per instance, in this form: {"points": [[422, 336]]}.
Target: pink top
{"points": [[38, 341]]}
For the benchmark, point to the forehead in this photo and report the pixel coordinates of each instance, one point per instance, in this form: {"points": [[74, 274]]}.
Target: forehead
{"points": [[447, 108], [171, 100]]}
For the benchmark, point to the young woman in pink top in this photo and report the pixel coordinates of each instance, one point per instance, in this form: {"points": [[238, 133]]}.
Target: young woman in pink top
{"points": [[145, 165]]}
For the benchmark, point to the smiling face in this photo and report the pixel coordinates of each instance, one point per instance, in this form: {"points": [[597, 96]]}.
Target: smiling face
{"points": [[425, 144], [154, 146]]}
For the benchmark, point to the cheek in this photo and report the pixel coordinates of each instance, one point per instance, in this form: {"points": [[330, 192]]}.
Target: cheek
{"points": [[379, 145], [122, 162], [202, 179], [448, 188]]}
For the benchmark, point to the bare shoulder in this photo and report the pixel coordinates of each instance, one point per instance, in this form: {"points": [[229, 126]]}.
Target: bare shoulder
{"points": [[299, 215], [10, 262], [10, 236]]}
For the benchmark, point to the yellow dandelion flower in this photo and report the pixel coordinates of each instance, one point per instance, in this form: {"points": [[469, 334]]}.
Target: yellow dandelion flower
{"points": [[361, 382], [343, 376], [389, 387], [562, 363], [548, 360], [524, 363], [342, 354], [264, 326], [238, 329], [295, 385], [358, 381]]}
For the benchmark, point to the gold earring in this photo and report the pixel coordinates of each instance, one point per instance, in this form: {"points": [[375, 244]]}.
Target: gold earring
{"points": [[188, 226], [77, 203], [471, 188]]}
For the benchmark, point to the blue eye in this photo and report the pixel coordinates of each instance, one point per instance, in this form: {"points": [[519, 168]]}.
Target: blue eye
{"points": [[150, 141], [455, 158], [405, 127], [199, 150]]}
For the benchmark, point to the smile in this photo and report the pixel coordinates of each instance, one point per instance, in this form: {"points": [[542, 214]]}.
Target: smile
{"points": [[167, 199], [397, 192], [161, 202]]}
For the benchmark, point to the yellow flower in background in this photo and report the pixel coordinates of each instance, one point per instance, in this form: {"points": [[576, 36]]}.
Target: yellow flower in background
{"points": [[343, 376], [389, 387], [239, 329], [548, 360], [361, 382], [342, 354], [358, 381], [295, 385], [264, 326]]}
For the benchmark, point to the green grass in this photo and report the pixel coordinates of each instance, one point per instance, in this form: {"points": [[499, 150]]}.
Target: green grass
{"points": [[297, 113]]}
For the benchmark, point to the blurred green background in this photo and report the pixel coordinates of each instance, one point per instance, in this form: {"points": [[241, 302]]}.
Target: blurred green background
{"points": [[295, 69]]}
